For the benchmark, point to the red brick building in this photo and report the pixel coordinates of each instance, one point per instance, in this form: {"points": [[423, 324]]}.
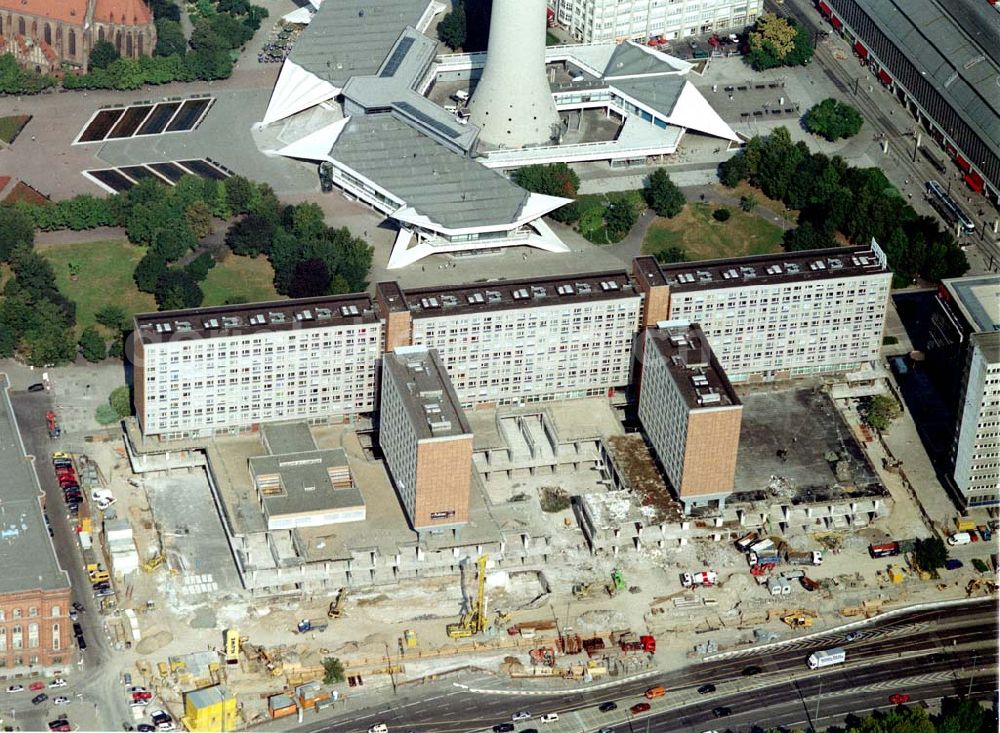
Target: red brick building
{"points": [[45, 34], [35, 629]]}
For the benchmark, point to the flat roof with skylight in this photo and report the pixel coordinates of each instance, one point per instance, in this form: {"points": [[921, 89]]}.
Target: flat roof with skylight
{"points": [[427, 393]]}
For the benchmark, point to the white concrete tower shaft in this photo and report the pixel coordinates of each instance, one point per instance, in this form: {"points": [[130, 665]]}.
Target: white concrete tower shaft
{"points": [[512, 105]]}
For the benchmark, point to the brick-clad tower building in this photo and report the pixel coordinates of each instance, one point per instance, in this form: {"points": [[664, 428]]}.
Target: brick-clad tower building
{"points": [[690, 414], [426, 439]]}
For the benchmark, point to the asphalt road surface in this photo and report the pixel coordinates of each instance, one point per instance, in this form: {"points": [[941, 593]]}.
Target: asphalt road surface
{"points": [[95, 676], [926, 655]]}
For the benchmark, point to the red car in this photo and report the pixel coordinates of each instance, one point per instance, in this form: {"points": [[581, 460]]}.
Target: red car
{"points": [[899, 698], [61, 725], [142, 695], [36, 686], [639, 708]]}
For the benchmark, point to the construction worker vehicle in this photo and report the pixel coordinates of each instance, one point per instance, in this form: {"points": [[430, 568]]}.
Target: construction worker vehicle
{"points": [[336, 609], [473, 620], [311, 624]]}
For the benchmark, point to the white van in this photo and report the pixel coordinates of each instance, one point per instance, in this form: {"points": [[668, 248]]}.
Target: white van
{"points": [[379, 728], [960, 538], [549, 717]]}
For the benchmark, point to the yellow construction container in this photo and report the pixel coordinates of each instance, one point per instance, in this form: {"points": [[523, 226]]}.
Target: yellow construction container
{"points": [[964, 524], [896, 574], [210, 709], [410, 638], [163, 669]]}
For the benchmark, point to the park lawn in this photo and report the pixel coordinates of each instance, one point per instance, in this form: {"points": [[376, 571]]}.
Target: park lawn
{"points": [[703, 238], [12, 125], [105, 276], [248, 278]]}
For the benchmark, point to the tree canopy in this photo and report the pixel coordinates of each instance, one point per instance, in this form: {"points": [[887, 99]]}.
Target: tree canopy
{"points": [[663, 195], [451, 29], [930, 554], [553, 179], [860, 204], [879, 411], [833, 120], [103, 54], [774, 41]]}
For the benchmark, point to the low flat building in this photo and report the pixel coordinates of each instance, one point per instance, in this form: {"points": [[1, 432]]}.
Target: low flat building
{"points": [[301, 485], [210, 709], [34, 589], [426, 439], [690, 414]]}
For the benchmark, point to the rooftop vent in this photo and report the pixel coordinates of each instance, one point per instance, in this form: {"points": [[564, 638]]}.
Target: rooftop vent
{"points": [[584, 288], [349, 310], [231, 321], [538, 291], [183, 326], [520, 294], [450, 301], [494, 296], [607, 285], [325, 314], [475, 298], [210, 324], [277, 317]]}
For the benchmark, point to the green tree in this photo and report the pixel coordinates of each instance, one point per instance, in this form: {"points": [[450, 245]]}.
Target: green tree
{"points": [[173, 243], [670, 254], [251, 235], [105, 415], [199, 218], [775, 41], [240, 194], [619, 218], [92, 345], [833, 120], [112, 316], [930, 554], [451, 29], [807, 236], [120, 400], [48, 342], [310, 277], [964, 715], [17, 229], [663, 195], [176, 289], [198, 267], [721, 214], [103, 54], [748, 203], [148, 271], [879, 411], [333, 671], [554, 179], [170, 40]]}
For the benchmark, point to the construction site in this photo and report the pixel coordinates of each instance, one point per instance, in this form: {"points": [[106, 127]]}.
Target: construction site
{"points": [[577, 562]]}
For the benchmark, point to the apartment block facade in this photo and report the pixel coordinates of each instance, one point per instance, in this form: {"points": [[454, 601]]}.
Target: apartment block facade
{"points": [[772, 317], [971, 307], [689, 413], [210, 370], [425, 438], [776, 317], [592, 21], [524, 340]]}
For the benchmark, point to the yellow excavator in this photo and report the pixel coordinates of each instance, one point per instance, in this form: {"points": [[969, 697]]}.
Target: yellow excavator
{"points": [[474, 619]]}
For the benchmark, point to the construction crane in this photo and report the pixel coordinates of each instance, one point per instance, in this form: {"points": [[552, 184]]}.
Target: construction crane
{"points": [[474, 619]]}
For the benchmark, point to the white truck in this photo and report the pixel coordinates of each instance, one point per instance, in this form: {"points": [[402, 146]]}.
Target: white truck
{"points": [[811, 557], [705, 577], [960, 538], [826, 658]]}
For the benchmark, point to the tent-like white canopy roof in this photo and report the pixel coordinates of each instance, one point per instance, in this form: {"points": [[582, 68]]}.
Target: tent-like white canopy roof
{"points": [[296, 90]]}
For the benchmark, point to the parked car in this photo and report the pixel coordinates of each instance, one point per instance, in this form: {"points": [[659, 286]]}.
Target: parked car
{"points": [[160, 716], [39, 698], [503, 728], [751, 670], [607, 707], [58, 682], [61, 700], [706, 688], [722, 711], [521, 715], [854, 636], [36, 387], [549, 717], [138, 703], [15, 688], [36, 686], [146, 728], [142, 695], [899, 698], [639, 707], [62, 725], [78, 607]]}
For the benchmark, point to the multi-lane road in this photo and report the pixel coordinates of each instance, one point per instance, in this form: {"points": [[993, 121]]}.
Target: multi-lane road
{"points": [[926, 655]]}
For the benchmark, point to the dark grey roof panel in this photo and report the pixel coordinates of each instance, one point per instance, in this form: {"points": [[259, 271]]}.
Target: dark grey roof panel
{"points": [[352, 37], [628, 59], [659, 93], [450, 189]]}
